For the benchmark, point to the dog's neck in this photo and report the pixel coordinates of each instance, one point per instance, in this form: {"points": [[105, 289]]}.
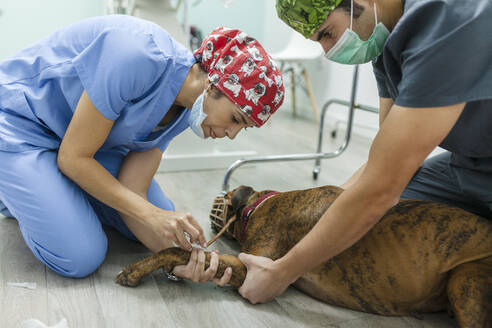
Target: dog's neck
{"points": [[253, 198], [241, 221]]}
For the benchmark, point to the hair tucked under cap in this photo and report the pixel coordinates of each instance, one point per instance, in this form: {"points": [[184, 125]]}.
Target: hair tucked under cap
{"points": [[242, 70]]}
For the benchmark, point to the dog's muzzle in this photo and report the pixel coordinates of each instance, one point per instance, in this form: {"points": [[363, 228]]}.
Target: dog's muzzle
{"points": [[218, 218]]}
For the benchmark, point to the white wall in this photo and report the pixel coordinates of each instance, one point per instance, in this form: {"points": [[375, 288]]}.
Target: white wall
{"points": [[23, 22], [247, 15]]}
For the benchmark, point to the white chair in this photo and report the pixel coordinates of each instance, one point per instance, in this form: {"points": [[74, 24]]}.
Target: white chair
{"points": [[292, 58]]}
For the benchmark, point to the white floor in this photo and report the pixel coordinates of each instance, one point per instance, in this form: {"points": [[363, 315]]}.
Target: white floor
{"points": [[97, 301]]}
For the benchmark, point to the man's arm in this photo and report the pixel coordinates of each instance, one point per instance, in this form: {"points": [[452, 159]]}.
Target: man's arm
{"points": [[404, 140], [384, 108], [385, 105]]}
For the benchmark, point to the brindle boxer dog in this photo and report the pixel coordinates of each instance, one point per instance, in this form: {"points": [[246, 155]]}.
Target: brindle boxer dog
{"points": [[421, 257]]}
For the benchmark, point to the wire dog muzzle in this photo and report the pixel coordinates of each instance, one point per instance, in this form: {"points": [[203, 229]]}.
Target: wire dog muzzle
{"points": [[218, 217], [219, 214]]}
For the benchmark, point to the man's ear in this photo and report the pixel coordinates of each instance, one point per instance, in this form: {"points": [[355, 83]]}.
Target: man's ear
{"points": [[240, 197]]}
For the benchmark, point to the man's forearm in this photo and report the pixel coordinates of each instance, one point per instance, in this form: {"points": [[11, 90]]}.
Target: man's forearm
{"points": [[98, 182], [347, 220], [403, 142], [353, 178]]}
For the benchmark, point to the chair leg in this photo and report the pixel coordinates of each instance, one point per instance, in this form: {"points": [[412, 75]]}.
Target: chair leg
{"points": [[293, 88], [311, 94]]}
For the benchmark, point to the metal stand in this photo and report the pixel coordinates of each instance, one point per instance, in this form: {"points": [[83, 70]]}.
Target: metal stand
{"points": [[318, 156]]}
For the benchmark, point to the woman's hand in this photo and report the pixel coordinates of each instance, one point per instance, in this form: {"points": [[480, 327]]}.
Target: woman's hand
{"points": [[173, 226], [195, 269]]}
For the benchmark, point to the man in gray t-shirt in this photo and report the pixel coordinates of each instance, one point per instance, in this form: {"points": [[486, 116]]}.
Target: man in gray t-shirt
{"points": [[433, 64], [440, 53]]}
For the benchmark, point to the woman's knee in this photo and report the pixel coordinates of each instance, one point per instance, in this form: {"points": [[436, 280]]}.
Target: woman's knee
{"points": [[4, 210], [156, 196], [78, 258], [88, 256]]}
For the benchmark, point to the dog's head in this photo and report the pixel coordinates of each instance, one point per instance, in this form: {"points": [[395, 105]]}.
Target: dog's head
{"points": [[230, 207]]}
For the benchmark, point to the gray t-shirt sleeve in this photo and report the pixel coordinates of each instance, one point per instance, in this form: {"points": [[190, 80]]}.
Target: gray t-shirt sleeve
{"points": [[380, 78], [445, 53]]}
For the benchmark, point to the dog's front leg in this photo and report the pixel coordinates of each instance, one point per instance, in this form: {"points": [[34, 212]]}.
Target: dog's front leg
{"points": [[169, 258]]}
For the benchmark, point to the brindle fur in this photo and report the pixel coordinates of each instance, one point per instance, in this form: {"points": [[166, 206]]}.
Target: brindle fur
{"points": [[421, 257]]}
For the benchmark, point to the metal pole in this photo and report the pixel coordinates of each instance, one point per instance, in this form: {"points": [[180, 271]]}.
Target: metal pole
{"points": [[318, 155], [348, 132], [317, 164]]}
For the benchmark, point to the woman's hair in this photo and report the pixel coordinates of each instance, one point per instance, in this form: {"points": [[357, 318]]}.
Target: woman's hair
{"points": [[202, 69], [215, 93], [345, 5]]}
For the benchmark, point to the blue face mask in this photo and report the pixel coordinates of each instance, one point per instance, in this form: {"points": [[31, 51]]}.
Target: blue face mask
{"points": [[350, 49], [197, 116]]}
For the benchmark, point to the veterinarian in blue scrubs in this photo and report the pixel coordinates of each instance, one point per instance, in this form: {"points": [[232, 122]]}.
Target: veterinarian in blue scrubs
{"points": [[85, 115], [433, 64]]}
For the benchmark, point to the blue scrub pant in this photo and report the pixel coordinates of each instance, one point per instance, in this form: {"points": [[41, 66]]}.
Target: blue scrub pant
{"points": [[59, 221]]}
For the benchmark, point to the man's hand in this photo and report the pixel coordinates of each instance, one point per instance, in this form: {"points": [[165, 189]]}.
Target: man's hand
{"points": [[264, 280]]}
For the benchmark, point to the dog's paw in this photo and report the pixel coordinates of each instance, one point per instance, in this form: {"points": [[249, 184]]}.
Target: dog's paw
{"points": [[127, 277]]}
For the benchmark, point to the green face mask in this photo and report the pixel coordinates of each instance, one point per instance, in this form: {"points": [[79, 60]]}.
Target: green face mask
{"points": [[350, 49]]}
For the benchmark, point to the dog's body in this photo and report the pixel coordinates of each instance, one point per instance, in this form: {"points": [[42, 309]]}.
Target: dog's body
{"points": [[419, 258]]}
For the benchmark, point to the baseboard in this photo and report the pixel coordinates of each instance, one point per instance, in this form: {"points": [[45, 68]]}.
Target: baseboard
{"points": [[205, 161], [359, 129]]}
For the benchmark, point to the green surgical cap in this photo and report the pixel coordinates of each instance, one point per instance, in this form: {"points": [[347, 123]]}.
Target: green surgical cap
{"points": [[305, 16]]}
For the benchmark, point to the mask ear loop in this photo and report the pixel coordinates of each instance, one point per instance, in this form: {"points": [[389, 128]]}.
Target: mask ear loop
{"points": [[375, 15], [351, 13], [205, 92]]}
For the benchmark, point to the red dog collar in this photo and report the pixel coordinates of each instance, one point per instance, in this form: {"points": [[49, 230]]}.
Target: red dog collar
{"points": [[248, 210]]}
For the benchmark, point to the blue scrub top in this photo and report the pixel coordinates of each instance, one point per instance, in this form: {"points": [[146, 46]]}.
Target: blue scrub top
{"points": [[131, 69]]}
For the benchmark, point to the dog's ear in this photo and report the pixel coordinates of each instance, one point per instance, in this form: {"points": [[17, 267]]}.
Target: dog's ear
{"points": [[240, 197]]}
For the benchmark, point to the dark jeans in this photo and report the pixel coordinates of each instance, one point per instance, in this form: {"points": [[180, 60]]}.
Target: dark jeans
{"points": [[452, 179]]}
